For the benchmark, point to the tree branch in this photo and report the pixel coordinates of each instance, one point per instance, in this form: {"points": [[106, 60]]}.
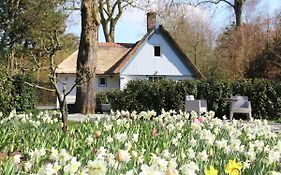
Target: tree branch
{"points": [[214, 2], [119, 14], [39, 87]]}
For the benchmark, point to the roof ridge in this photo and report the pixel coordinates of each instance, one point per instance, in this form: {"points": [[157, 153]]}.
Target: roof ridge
{"points": [[111, 44]]}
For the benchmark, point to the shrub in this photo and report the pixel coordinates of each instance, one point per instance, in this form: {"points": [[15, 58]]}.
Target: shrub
{"points": [[24, 94], [142, 95], [7, 101], [15, 94], [265, 96], [216, 93]]}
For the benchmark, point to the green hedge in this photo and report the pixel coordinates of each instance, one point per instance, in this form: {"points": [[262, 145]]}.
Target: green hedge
{"points": [[24, 95], [7, 101], [15, 94], [139, 95]]}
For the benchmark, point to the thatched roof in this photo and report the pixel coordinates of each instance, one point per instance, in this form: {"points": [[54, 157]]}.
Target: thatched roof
{"points": [[108, 55]]}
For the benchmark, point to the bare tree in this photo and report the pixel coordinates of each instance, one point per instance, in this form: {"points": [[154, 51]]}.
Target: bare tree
{"points": [[238, 47], [192, 32], [110, 12], [236, 5], [267, 64], [52, 49], [55, 46]]}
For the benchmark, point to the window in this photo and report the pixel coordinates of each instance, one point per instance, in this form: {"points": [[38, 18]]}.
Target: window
{"points": [[157, 51], [102, 82], [155, 78]]}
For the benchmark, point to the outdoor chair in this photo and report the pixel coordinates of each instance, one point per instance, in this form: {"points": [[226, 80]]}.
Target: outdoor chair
{"points": [[240, 104], [199, 106]]}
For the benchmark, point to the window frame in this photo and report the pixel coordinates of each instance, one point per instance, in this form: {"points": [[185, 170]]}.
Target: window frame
{"points": [[105, 82], [155, 78], [154, 50]]}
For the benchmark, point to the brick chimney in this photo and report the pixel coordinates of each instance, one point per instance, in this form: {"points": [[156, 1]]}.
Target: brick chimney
{"points": [[151, 21]]}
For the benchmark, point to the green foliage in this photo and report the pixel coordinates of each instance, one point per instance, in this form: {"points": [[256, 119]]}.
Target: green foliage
{"points": [[26, 30], [24, 94], [135, 97], [140, 95], [216, 93], [7, 167], [6, 94], [15, 94], [265, 96]]}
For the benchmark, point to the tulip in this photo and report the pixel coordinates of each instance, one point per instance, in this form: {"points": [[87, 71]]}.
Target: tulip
{"points": [[123, 156], [200, 119], [97, 134], [162, 125], [154, 132]]}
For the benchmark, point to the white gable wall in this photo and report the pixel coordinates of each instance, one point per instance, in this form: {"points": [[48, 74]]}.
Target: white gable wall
{"points": [[126, 78], [145, 63]]}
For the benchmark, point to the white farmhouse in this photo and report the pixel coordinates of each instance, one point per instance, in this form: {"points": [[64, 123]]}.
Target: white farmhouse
{"points": [[156, 56]]}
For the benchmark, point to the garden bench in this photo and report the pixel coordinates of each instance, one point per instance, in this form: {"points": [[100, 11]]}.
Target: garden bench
{"points": [[103, 108], [240, 104], [199, 106]]}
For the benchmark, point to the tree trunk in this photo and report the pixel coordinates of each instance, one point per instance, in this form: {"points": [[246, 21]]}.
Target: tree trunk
{"points": [[109, 37], [112, 32], [64, 113], [108, 32], [87, 56], [238, 4]]}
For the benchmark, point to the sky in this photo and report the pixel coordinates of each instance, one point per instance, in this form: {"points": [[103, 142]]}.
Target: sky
{"points": [[132, 25]]}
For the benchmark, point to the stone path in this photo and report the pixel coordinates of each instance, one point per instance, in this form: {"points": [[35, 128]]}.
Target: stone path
{"points": [[275, 127], [81, 117]]}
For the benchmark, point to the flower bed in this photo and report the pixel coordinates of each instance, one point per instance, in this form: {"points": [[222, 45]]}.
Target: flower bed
{"points": [[130, 143]]}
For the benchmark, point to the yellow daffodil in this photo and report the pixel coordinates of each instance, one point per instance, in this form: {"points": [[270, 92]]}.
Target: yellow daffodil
{"points": [[211, 171], [233, 167]]}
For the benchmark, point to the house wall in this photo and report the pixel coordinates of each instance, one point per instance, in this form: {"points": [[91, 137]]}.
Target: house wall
{"points": [[67, 80], [145, 63], [113, 82], [124, 79]]}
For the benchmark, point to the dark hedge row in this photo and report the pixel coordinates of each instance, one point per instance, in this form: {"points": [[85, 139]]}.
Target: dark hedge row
{"points": [[139, 95], [15, 94]]}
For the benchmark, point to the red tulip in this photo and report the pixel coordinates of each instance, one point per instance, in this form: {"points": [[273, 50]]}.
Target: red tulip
{"points": [[97, 134], [154, 132]]}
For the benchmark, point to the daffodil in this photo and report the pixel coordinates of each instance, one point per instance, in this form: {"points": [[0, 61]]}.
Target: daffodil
{"points": [[233, 167], [97, 167], [211, 171]]}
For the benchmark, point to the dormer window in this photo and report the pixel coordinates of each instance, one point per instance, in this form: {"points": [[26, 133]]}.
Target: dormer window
{"points": [[157, 51]]}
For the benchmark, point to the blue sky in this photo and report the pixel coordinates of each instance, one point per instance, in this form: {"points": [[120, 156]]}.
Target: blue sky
{"points": [[132, 25]]}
